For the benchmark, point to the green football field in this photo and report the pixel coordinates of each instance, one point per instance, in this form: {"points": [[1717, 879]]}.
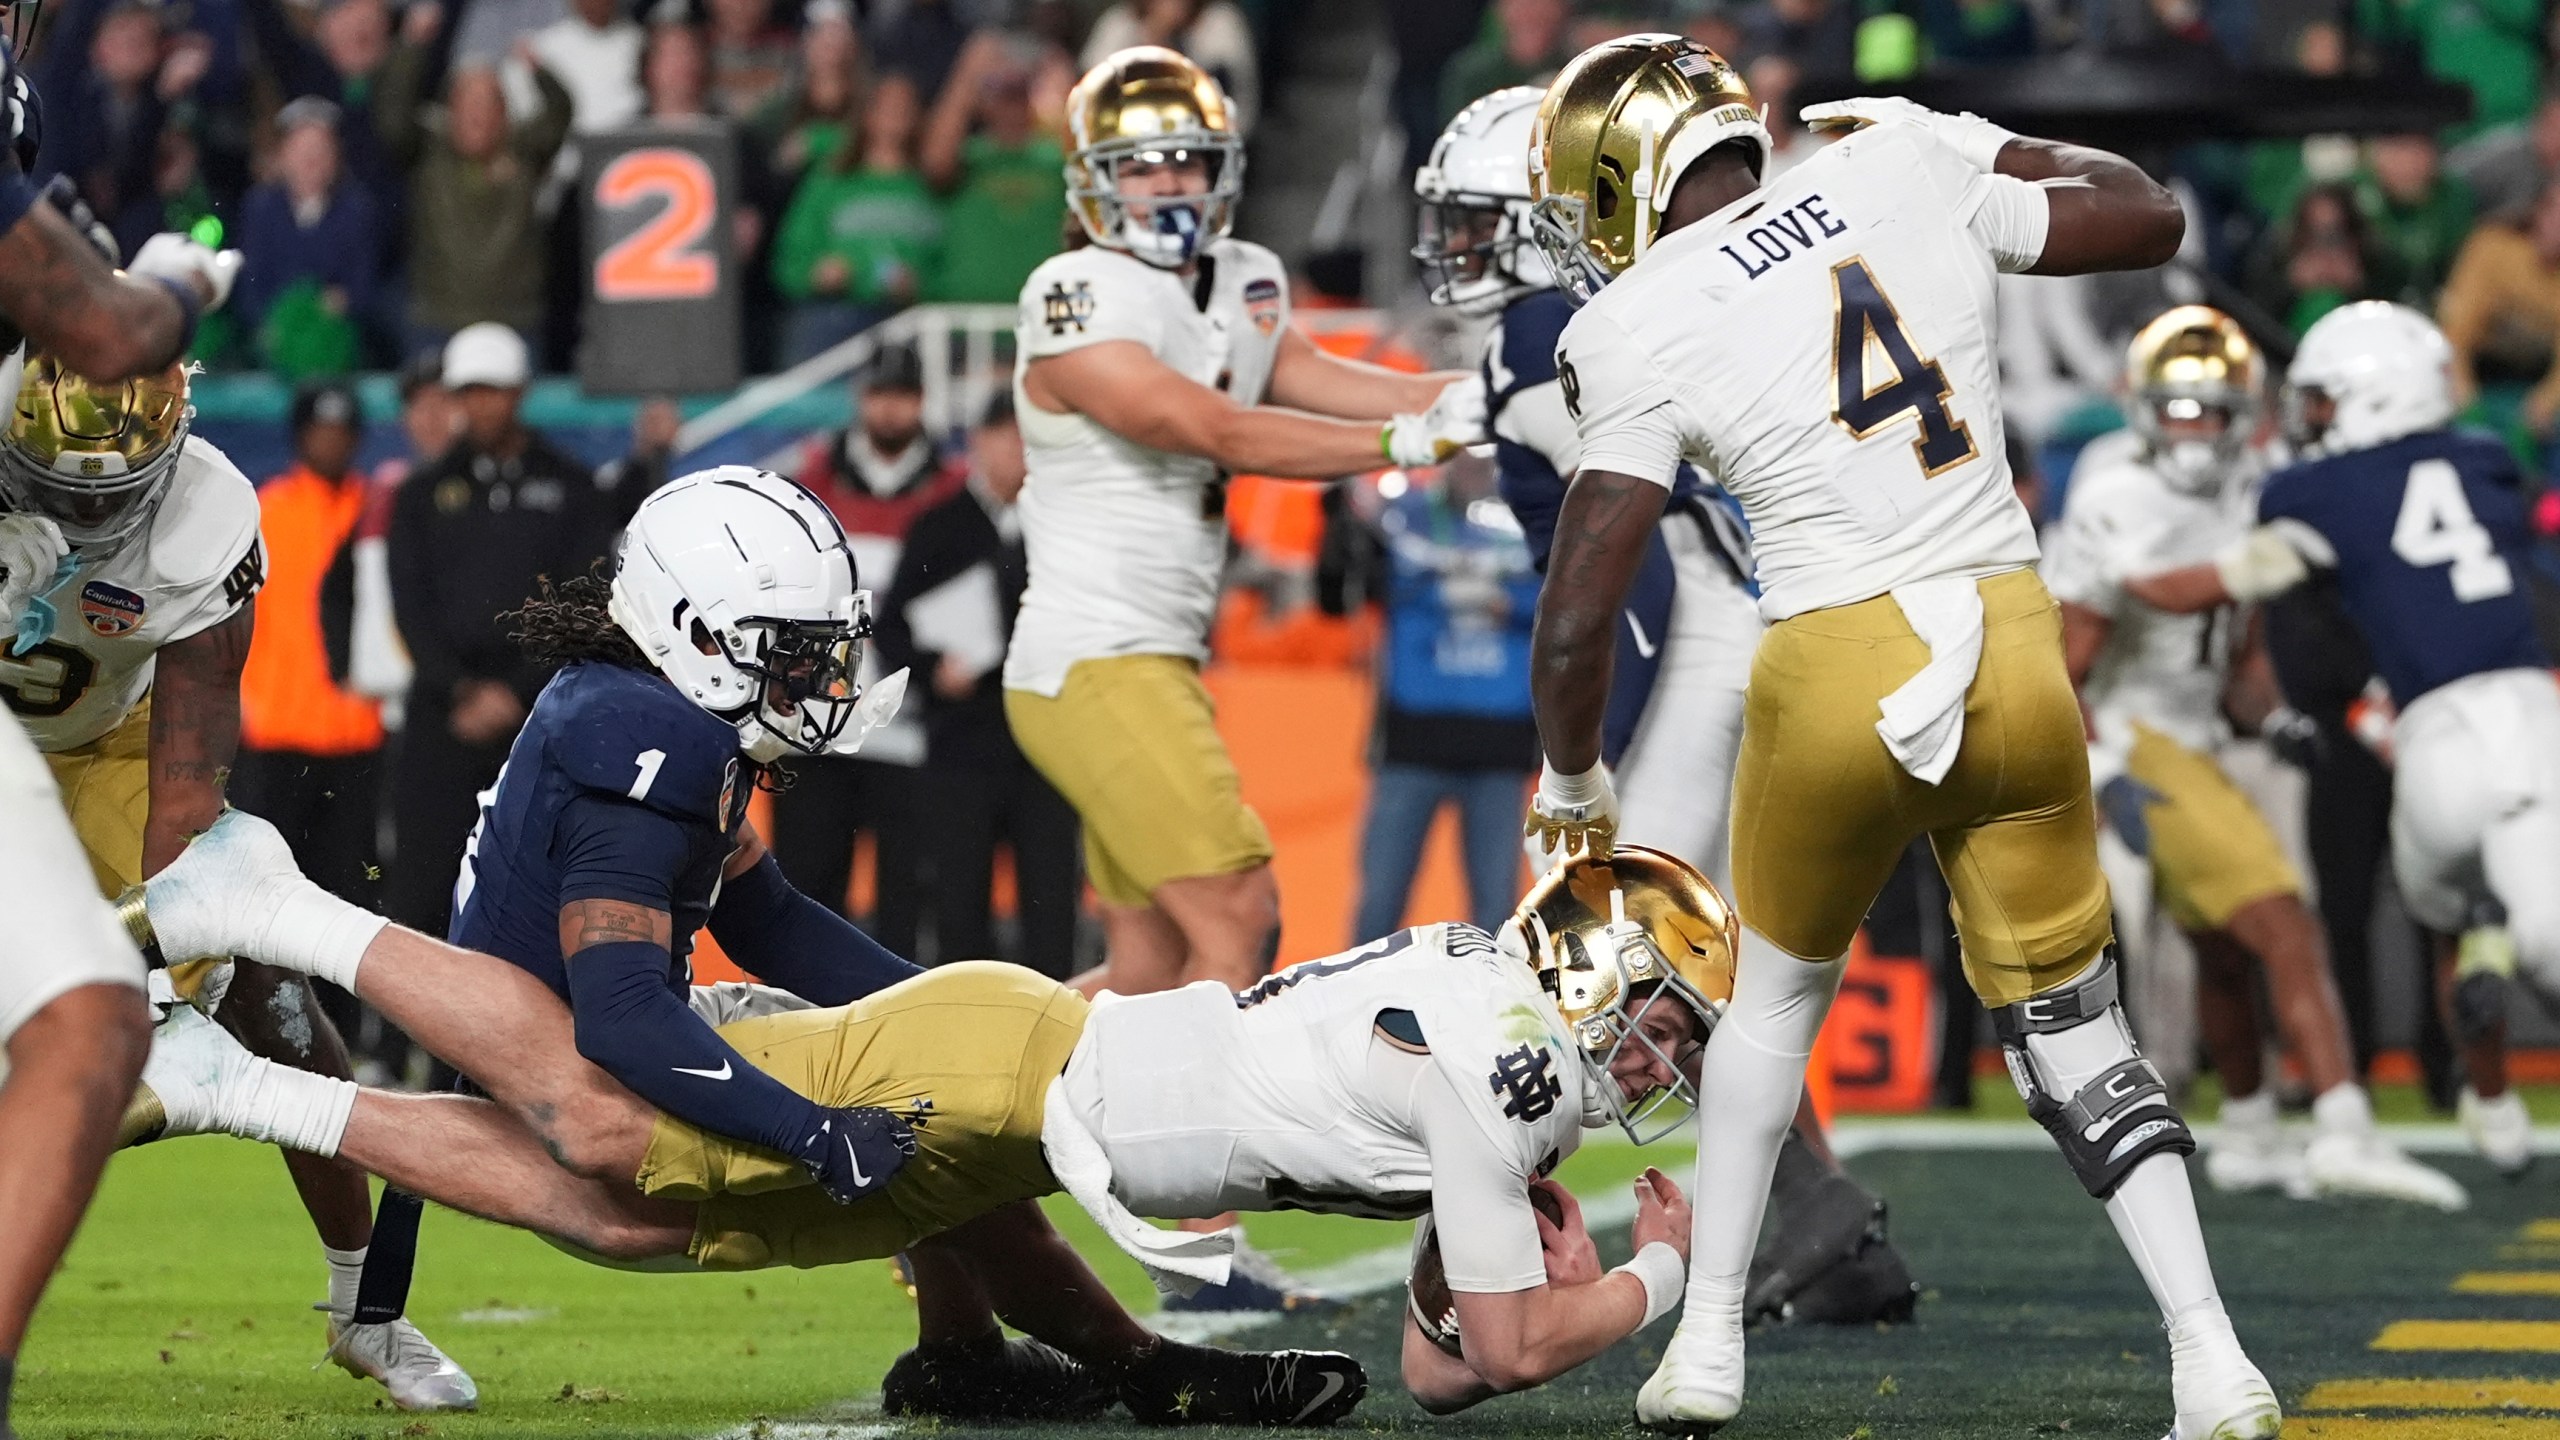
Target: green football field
{"points": [[184, 1313]]}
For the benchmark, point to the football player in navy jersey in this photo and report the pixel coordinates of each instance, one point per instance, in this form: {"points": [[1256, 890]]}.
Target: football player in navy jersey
{"points": [[1684, 646], [729, 637], [2423, 530]]}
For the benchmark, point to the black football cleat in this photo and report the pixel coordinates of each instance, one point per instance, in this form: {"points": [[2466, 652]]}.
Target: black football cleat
{"points": [[992, 1378], [1201, 1385]]}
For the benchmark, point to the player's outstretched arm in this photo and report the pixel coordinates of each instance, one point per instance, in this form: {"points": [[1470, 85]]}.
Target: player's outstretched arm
{"points": [[1305, 376], [1600, 543], [784, 938], [1121, 386], [195, 734], [56, 288], [2107, 216]]}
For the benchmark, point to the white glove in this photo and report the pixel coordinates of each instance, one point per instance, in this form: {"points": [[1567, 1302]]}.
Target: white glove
{"points": [[1968, 134], [171, 256], [1454, 422], [1573, 813], [2260, 566], [31, 550]]}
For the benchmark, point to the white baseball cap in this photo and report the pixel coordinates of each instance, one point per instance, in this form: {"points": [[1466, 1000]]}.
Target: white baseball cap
{"points": [[485, 354]]}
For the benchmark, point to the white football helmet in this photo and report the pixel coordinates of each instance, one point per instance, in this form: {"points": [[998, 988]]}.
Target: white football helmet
{"points": [[2384, 371], [1474, 225], [738, 585]]}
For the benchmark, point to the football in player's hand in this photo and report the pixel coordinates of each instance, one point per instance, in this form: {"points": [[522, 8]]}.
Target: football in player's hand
{"points": [[1426, 1287]]}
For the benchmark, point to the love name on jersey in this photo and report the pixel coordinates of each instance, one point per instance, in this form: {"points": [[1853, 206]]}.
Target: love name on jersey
{"points": [[1784, 236]]}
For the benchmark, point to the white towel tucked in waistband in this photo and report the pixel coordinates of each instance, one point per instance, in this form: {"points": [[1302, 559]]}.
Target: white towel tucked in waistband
{"points": [[1923, 722], [1179, 1261]]}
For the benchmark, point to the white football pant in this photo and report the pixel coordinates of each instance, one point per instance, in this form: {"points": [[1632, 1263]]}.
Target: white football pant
{"points": [[1675, 781], [2475, 811], [61, 934]]}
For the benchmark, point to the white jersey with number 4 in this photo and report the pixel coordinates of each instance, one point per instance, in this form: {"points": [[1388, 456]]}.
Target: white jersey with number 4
{"points": [[1423, 1071], [1127, 543], [1825, 348], [195, 564]]}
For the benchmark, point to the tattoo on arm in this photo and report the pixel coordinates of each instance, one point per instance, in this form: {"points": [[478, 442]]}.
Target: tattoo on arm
{"points": [[61, 293], [585, 924], [195, 734], [1600, 543]]}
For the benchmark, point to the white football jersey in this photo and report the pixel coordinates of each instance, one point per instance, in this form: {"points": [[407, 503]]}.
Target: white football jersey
{"points": [[1127, 543], [1328, 1087], [196, 563], [1824, 348], [2121, 519]]}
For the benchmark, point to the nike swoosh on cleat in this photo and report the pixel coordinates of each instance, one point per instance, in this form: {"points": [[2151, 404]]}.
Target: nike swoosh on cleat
{"points": [[1333, 1383], [720, 1074], [856, 1162]]}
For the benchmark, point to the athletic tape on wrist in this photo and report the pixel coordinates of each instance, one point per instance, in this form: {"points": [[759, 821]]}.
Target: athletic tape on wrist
{"points": [[1664, 1276]]}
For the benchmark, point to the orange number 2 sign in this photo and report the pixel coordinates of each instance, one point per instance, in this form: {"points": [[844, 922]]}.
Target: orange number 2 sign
{"points": [[661, 260]]}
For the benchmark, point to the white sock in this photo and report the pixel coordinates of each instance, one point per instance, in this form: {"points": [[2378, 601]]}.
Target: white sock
{"points": [[2343, 1107], [2250, 1112], [1754, 1067], [346, 1273]]}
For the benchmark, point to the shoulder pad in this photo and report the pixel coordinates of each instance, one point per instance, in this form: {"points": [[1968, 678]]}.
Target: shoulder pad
{"points": [[206, 525], [624, 733]]}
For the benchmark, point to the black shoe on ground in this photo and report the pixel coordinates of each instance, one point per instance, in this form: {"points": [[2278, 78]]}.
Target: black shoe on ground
{"points": [[992, 1378], [1202, 1385]]}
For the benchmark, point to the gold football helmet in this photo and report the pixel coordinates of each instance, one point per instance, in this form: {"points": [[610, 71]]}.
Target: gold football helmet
{"points": [[94, 459], [1151, 106], [1621, 123], [2189, 368], [1609, 940]]}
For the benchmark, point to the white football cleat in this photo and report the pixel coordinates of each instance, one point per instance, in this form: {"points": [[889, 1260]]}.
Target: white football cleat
{"points": [[2362, 1164], [2251, 1150], [1697, 1388], [2500, 1130], [418, 1375], [2220, 1395], [221, 893]]}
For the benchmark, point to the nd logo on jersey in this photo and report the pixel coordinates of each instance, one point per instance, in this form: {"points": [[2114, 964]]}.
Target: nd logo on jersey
{"points": [[1063, 307], [110, 610]]}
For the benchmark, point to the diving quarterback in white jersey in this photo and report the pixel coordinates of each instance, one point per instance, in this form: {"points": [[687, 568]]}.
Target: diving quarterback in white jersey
{"points": [[1822, 347], [2423, 529], [1682, 657], [2155, 685], [1436, 1071]]}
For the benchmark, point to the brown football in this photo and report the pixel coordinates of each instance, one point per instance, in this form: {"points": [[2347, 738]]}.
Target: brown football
{"points": [[1426, 1288]]}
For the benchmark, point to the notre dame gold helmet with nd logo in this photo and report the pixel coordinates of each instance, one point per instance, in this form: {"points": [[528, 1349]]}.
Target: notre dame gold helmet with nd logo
{"points": [[1148, 105], [2189, 369], [1597, 931], [1621, 122], [93, 458]]}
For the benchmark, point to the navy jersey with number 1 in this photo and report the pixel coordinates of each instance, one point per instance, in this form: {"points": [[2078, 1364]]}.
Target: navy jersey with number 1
{"points": [[2427, 536]]}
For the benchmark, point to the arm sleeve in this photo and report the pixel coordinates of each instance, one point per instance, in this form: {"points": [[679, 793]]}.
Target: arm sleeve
{"points": [[1622, 409], [785, 938], [627, 1019], [1074, 302], [1479, 1198]]}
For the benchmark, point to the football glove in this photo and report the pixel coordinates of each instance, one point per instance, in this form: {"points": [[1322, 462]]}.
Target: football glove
{"points": [[1969, 135], [857, 1151], [171, 256], [1454, 422], [1573, 813]]}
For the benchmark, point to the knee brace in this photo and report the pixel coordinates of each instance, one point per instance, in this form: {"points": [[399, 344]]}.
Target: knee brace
{"points": [[2121, 1116]]}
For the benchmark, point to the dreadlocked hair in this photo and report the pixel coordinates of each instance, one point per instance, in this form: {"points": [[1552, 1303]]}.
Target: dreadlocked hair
{"points": [[567, 622]]}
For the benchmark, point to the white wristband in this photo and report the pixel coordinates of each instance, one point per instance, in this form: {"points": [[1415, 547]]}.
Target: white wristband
{"points": [[1581, 788], [1664, 1276], [1976, 139]]}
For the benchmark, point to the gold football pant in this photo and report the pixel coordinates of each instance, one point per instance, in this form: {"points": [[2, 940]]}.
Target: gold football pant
{"points": [[2212, 853], [106, 789], [967, 1052], [1821, 810]]}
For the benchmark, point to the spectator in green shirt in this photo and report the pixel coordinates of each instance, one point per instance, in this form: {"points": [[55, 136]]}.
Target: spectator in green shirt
{"points": [[863, 231], [2418, 212], [1007, 207]]}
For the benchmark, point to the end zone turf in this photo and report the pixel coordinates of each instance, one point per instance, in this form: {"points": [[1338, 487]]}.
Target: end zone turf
{"points": [[184, 1313]]}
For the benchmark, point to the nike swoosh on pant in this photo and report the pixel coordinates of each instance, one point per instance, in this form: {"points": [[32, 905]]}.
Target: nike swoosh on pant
{"points": [[1333, 1383], [720, 1074], [1645, 645]]}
